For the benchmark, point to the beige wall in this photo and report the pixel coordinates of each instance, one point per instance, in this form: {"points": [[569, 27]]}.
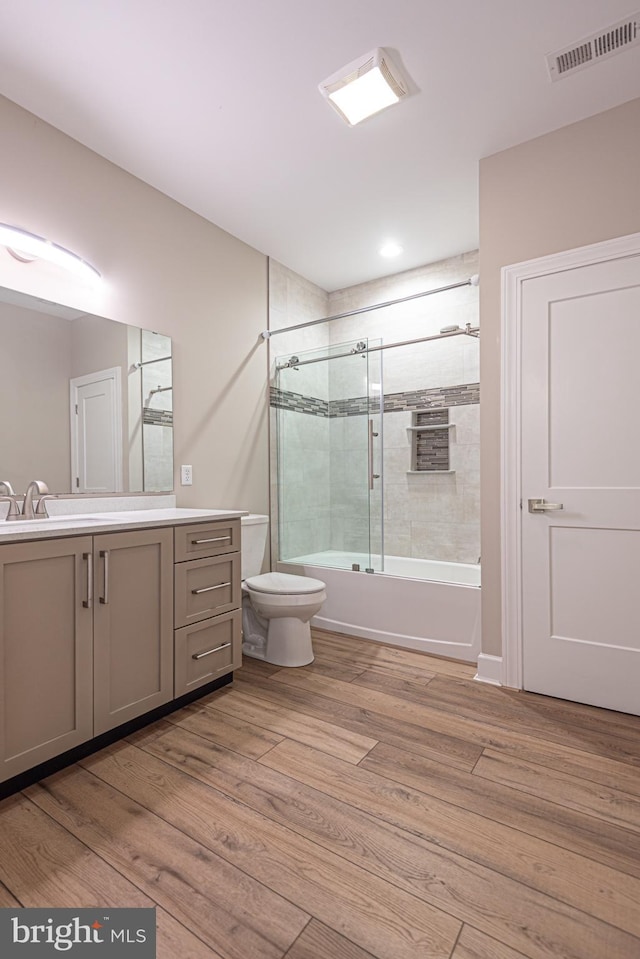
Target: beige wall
{"points": [[34, 420], [570, 188], [166, 269]]}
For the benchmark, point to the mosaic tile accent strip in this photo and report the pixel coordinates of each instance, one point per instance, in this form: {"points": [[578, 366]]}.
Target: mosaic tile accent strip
{"points": [[431, 447], [358, 406], [463, 395], [285, 400], [157, 417]]}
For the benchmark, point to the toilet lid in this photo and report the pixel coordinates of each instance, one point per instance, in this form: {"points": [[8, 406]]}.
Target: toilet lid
{"points": [[283, 583]]}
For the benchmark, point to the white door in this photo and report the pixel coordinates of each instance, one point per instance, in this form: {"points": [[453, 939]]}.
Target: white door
{"points": [[96, 432], [580, 448]]}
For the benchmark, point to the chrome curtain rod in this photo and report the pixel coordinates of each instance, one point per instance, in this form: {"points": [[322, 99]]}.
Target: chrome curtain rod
{"points": [[472, 281], [294, 363]]}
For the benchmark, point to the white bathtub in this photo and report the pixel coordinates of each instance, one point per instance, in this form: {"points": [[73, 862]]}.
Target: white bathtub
{"points": [[419, 604]]}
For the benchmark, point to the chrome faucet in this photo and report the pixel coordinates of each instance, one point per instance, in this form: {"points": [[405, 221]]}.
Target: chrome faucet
{"points": [[7, 487], [14, 512], [35, 486]]}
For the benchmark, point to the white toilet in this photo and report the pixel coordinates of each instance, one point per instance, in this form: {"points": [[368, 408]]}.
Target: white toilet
{"points": [[276, 607]]}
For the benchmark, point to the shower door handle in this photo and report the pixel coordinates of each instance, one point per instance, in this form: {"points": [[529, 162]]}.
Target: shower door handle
{"points": [[372, 476]]}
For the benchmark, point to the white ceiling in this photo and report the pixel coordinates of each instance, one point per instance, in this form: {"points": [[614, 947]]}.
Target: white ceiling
{"points": [[215, 103]]}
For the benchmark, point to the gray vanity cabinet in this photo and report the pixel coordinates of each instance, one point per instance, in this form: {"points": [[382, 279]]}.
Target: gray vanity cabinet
{"points": [[46, 651], [208, 606], [86, 639], [133, 624]]}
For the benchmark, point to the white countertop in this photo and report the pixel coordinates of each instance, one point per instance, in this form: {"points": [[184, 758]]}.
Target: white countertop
{"points": [[108, 522]]}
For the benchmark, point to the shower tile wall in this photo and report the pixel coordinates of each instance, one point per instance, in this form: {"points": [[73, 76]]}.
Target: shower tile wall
{"points": [[433, 515], [304, 436], [427, 515]]}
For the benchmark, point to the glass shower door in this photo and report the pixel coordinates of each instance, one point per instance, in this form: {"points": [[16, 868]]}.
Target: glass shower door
{"points": [[329, 452]]}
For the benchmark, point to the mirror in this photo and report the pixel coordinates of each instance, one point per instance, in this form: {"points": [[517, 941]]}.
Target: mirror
{"points": [[87, 403]]}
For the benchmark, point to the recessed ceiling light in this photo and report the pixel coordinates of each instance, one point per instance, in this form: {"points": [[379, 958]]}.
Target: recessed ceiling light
{"points": [[364, 87], [390, 249]]}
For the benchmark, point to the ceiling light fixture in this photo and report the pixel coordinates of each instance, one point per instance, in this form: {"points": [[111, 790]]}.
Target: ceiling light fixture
{"points": [[27, 246], [390, 249], [364, 87]]}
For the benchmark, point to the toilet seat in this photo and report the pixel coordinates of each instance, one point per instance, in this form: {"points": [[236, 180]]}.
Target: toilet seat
{"points": [[278, 584]]}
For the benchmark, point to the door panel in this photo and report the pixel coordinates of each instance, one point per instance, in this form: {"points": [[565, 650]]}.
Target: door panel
{"points": [[96, 420], [594, 345], [581, 449]]}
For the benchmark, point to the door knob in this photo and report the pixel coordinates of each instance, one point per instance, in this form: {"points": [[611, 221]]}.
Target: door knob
{"points": [[541, 506]]}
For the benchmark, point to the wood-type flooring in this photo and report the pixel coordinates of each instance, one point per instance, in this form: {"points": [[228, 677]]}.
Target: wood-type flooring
{"points": [[378, 803]]}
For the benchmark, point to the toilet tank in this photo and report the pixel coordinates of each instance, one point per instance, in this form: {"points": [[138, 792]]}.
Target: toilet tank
{"points": [[254, 529]]}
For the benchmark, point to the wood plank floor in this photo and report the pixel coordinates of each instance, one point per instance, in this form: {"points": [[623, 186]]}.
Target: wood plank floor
{"points": [[378, 804]]}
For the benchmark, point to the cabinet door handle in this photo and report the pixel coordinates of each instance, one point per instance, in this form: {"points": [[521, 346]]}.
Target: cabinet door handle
{"points": [[215, 539], [207, 589], [209, 651], [104, 599], [88, 602]]}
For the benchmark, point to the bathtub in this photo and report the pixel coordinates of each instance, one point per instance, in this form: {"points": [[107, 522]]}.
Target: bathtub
{"points": [[419, 604]]}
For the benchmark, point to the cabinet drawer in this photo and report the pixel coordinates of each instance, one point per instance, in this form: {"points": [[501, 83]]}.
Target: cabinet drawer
{"points": [[206, 539], [207, 650], [207, 587]]}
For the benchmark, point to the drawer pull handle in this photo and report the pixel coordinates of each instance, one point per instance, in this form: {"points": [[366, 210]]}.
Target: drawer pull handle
{"points": [[207, 589], [214, 539], [88, 602], [104, 599], [209, 651]]}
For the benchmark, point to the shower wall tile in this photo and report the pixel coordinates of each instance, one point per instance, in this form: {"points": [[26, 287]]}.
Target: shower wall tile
{"points": [[396, 464], [433, 516], [306, 502], [395, 431], [450, 542], [467, 424], [465, 459], [471, 501], [299, 538], [302, 518], [315, 468], [397, 538]]}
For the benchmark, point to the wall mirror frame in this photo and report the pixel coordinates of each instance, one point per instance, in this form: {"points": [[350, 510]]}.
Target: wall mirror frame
{"points": [[87, 402]]}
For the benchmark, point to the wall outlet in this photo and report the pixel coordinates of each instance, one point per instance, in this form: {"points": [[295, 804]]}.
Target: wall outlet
{"points": [[186, 475]]}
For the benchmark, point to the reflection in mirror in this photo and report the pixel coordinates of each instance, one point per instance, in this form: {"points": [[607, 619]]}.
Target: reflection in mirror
{"points": [[86, 402]]}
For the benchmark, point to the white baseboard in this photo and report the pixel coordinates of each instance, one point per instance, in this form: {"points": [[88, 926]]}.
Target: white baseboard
{"points": [[489, 669]]}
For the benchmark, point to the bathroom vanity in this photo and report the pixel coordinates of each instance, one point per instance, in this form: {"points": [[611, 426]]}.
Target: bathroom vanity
{"points": [[109, 621]]}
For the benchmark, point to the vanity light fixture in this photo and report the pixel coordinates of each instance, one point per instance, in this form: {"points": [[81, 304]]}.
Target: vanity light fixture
{"points": [[364, 87], [27, 246]]}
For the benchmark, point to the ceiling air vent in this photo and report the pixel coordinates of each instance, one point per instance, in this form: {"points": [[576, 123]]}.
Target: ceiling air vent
{"points": [[599, 46]]}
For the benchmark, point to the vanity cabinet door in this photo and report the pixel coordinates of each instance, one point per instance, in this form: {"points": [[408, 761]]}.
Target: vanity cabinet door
{"points": [[46, 679], [133, 624]]}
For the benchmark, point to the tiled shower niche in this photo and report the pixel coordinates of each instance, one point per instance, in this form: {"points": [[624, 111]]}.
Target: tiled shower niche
{"points": [[430, 441]]}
